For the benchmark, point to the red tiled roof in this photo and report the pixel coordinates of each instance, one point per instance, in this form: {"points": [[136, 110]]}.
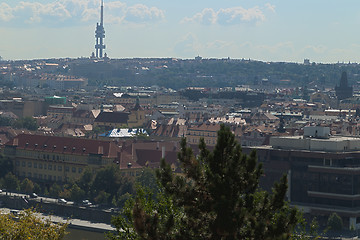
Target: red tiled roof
{"points": [[205, 127], [65, 145]]}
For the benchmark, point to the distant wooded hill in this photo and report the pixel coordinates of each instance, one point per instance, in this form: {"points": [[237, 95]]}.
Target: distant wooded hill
{"points": [[176, 74]]}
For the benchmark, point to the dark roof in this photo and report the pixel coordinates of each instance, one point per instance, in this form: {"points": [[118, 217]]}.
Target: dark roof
{"points": [[146, 156], [113, 117], [65, 145], [82, 114]]}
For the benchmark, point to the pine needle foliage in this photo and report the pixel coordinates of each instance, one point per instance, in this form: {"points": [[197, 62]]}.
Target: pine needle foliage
{"points": [[217, 197]]}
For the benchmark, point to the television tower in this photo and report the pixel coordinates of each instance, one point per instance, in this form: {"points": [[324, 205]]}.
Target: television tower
{"points": [[100, 34]]}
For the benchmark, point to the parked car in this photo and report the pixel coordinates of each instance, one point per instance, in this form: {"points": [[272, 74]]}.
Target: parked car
{"points": [[33, 195], [61, 200], [86, 203]]}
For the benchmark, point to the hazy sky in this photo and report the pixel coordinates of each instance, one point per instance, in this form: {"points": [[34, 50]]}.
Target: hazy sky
{"points": [[274, 30]]}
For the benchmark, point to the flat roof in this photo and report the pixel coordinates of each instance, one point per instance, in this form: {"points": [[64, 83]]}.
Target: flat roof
{"points": [[332, 138]]}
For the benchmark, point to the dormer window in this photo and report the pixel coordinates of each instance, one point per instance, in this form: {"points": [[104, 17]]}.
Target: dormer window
{"points": [[45, 145]]}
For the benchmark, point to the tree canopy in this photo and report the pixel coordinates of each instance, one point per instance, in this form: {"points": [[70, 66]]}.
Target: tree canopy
{"points": [[26, 122], [27, 225], [335, 222], [217, 197]]}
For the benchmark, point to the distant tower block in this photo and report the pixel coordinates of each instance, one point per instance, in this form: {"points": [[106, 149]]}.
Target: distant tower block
{"points": [[344, 90], [100, 34]]}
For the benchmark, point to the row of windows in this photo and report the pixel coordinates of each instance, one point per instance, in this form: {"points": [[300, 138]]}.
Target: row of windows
{"points": [[53, 157], [39, 165], [209, 134], [48, 166], [42, 176], [207, 141]]}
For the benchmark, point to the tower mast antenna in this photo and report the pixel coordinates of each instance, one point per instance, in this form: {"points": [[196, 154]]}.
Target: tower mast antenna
{"points": [[100, 34], [102, 13]]}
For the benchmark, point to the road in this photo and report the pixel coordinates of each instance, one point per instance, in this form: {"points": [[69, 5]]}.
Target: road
{"points": [[38, 199]]}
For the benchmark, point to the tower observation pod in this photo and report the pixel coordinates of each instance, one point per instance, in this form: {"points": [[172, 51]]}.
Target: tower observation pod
{"points": [[100, 34]]}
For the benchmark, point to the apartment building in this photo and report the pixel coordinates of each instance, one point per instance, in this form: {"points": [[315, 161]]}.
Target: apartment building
{"points": [[50, 158], [323, 172], [206, 131]]}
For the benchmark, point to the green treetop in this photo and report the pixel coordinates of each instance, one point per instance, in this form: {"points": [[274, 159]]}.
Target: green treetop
{"points": [[27, 225], [217, 197]]}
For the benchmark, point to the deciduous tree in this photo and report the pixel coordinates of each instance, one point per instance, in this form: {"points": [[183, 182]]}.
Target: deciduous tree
{"points": [[27, 186], [11, 182], [27, 225]]}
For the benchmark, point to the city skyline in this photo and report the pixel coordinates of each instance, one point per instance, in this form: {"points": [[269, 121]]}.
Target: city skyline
{"points": [[263, 30]]}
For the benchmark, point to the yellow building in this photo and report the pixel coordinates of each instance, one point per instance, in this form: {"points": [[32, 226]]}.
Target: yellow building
{"points": [[60, 112], [111, 120], [206, 131], [126, 99], [50, 158], [136, 116]]}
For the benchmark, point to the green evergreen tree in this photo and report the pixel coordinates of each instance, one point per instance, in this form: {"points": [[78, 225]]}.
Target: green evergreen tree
{"points": [[218, 197], [152, 217], [147, 178]]}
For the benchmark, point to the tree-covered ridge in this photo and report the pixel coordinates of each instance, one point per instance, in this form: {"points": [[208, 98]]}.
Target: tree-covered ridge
{"points": [[212, 73]]}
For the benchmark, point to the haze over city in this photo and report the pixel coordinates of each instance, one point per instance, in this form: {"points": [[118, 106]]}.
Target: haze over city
{"points": [[179, 119], [323, 31]]}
